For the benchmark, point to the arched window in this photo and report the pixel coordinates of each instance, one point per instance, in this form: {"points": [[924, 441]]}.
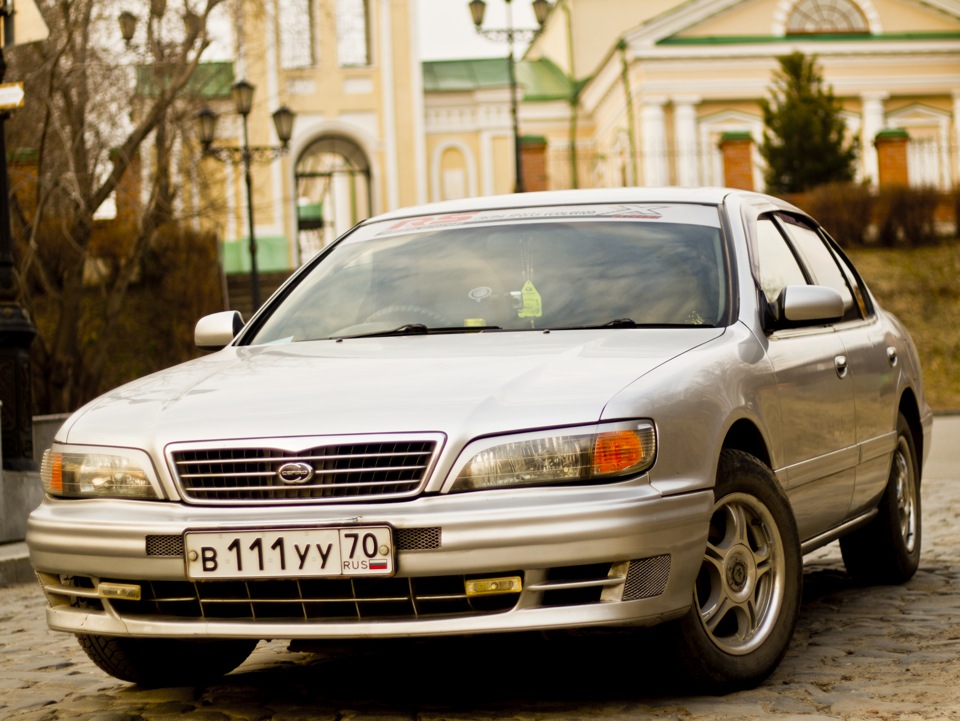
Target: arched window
{"points": [[810, 17], [333, 191]]}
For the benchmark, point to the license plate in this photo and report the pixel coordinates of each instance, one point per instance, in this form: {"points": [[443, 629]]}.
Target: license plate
{"points": [[290, 553]]}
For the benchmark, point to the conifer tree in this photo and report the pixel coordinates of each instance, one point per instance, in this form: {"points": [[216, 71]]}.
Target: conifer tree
{"points": [[804, 143]]}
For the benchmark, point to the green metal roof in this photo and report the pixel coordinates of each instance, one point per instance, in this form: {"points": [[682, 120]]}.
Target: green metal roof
{"points": [[541, 79], [209, 80]]}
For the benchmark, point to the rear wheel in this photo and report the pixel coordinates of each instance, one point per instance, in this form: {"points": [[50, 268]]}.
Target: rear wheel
{"points": [[747, 594], [165, 661], [887, 550]]}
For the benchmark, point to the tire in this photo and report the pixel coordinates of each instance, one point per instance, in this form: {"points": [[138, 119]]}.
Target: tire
{"points": [[887, 550], [165, 661], [746, 598]]}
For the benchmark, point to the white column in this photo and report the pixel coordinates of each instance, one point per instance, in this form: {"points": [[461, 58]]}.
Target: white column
{"points": [[654, 142], [685, 135], [419, 128], [388, 98], [874, 121]]}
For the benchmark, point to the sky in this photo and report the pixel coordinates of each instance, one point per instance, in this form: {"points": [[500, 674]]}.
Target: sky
{"points": [[447, 32]]}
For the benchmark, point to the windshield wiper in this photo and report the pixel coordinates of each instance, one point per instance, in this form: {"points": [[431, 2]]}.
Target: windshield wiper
{"points": [[630, 323], [421, 329]]}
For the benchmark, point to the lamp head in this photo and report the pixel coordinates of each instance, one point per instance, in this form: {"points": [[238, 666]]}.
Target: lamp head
{"points": [[242, 93], [207, 120]]}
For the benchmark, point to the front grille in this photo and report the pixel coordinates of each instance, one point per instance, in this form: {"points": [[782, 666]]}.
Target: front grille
{"points": [[339, 471], [342, 600]]}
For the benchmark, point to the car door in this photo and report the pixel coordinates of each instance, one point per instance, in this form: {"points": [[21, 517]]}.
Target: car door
{"points": [[816, 393], [871, 360]]}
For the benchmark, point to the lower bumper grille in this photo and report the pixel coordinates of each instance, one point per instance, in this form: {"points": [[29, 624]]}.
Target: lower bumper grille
{"points": [[345, 600], [310, 599]]}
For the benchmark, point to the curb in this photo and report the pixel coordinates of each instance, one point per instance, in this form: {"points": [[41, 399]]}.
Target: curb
{"points": [[15, 565]]}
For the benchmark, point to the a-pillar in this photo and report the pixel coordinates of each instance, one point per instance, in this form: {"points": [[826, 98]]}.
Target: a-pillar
{"points": [[737, 151], [891, 147]]}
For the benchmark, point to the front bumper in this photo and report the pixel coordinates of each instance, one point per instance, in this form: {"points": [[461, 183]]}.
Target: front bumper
{"points": [[595, 556]]}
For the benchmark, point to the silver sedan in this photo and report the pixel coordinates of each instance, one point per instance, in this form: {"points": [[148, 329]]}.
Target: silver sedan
{"points": [[544, 411]]}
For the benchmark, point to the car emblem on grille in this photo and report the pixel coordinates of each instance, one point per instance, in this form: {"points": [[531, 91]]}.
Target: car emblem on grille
{"points": [[295, 474]]}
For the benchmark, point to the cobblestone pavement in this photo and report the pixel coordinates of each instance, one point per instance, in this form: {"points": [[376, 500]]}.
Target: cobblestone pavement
{"points": [[858, 653]]}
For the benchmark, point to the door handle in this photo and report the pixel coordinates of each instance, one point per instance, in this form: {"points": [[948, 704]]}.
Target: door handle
{"points": [[840, 363]]}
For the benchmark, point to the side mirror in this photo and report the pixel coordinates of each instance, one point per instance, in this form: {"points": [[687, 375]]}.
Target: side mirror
{"points": [[215, 331], [799, 305]]}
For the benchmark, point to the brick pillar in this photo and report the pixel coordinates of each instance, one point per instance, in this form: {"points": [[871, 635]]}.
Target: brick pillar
{"points": [[891, 148], [737, 149], [533, 156]]}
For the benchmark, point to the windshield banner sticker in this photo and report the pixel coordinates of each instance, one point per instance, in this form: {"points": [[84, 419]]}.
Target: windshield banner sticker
{"points": [[684, 213]]}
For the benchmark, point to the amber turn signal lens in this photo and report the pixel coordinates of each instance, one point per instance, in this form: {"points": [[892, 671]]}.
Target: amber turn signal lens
{"points": [[51, 472], [616, 452]]}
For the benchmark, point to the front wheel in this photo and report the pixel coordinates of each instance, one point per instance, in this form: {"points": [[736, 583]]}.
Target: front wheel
{"points": [[165, 661], [746, 598], [887, 550]]}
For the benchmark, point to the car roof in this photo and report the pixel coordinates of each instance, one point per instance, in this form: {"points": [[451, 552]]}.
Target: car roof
{"points": [[707, 196]]}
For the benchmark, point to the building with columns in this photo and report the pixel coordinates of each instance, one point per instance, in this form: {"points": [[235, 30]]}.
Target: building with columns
{"points": [[669, 87], [612, 92]]}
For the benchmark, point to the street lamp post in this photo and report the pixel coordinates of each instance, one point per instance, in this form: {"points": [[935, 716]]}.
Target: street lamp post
{"points": [[242, 93], [16, 331], [510, 34]]}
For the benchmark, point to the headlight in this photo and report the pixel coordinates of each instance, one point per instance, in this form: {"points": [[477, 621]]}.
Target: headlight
{"points": [[97, 475], [608, 454]]}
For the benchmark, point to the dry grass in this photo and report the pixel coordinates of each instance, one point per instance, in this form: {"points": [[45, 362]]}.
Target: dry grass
{"points": [[920, 287]]}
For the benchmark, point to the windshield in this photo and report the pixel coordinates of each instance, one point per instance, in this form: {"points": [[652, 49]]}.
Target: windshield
{"points": [[538, 268]]}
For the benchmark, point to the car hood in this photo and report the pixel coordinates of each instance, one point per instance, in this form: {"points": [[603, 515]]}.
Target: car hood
{"points": [[463, 385]]}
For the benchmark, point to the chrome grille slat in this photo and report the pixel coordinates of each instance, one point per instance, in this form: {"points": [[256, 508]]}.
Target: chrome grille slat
{"points": [[285, 459], [357, 484], [344, 469], [260, 474]]}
